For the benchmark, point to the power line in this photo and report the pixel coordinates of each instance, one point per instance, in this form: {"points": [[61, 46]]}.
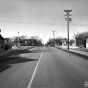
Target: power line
{"points": [[78, 24], [80, 10], [75, 4], [33, 23], [62, 12], [38, 14], [61, 29], [33, 15], [74, 29]]}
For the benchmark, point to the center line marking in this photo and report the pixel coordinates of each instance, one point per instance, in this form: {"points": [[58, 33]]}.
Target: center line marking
{"points": [[29, 85]]}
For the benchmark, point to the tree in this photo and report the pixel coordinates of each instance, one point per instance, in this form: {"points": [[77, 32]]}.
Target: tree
{"points": [[35, 40], [81, 39]]}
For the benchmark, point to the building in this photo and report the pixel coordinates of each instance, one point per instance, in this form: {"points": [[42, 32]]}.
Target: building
{"points": [[1, 42]]}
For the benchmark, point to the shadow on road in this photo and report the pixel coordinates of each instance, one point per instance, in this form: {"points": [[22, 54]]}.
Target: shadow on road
{"points": [[14, 52], [13, 60]]}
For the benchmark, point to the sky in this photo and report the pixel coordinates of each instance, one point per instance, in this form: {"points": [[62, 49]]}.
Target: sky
{"points": [[41, 17]]}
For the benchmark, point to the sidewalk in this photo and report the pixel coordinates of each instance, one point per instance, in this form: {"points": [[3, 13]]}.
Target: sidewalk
{"points": [[75, 50]]}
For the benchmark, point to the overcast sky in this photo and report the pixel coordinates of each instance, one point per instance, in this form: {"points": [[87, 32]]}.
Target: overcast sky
{"points": [[41, 17]]}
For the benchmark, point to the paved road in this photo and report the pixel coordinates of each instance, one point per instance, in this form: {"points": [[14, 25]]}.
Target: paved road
{"points": [[46, 67]]}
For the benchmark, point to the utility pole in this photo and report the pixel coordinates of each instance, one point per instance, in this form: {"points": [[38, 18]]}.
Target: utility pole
{"points": [[68, 19], [18, 33], [53, 37], [18, 44], [18, 36]]}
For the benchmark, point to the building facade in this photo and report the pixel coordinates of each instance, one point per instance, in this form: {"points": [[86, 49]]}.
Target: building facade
{"points": [[1, 42]]}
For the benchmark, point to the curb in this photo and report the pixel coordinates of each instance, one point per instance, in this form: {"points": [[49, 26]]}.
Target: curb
{"points": [[75, 53]]}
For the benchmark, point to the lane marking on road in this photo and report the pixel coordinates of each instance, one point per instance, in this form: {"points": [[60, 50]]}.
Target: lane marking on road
{"points": [[29, 85]]}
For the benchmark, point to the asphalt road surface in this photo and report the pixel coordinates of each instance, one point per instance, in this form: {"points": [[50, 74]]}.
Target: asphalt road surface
{"points": [[44, 67]]}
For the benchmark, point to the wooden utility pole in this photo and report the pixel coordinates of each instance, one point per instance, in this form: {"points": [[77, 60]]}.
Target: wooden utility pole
{"points": [[68, 19], [18, 36], [54, 37]]}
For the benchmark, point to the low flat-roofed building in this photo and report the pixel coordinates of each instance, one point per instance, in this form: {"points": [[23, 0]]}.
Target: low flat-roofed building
{"points": [[1, 42]]}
